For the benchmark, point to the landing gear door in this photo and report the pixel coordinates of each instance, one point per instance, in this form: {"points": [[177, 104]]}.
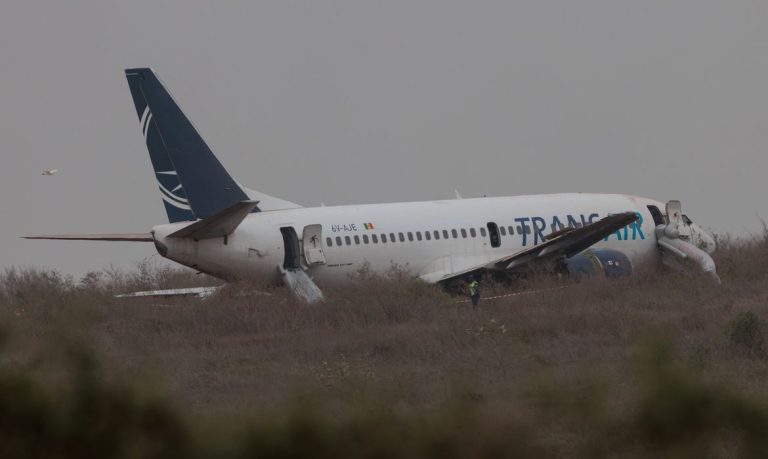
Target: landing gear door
{"points": [[312, 243]]}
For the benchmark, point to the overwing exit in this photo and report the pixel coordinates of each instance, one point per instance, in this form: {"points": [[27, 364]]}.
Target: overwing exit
{"points": [[219, 227]]}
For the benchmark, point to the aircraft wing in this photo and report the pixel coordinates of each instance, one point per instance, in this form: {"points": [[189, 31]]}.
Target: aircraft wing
{"points": [[558, 245], [200, 292], [568, 242]]}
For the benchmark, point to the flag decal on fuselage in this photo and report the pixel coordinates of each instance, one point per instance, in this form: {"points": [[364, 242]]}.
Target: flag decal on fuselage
{"points": [[368, 226]]}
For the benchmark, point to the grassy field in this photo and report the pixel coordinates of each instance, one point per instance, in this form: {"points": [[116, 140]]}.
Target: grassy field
{"points": [[657, 364]]}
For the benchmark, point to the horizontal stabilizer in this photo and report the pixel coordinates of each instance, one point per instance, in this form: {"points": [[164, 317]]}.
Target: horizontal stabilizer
{"points": [[219, 224], [129, 237]]}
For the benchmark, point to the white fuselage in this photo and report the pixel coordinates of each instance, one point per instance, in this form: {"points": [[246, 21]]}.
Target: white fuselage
{"points": [[409, 235]]}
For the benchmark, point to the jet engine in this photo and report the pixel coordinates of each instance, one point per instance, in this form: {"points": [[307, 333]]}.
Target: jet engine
{"points": [[599, 262]]}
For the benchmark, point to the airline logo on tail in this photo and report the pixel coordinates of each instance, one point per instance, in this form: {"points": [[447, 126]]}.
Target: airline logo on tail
{"points": [[170, 195], [146, 117], [168, 181], [193, 183]]}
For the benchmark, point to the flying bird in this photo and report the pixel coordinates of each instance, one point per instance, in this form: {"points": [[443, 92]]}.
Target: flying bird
{"points": [[49, 171]]}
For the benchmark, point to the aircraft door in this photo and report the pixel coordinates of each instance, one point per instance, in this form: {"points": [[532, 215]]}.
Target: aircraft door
{"points": [[658, 218], [675, 212], [675, 216], [493, 234], [312, 243], [291, 245]]}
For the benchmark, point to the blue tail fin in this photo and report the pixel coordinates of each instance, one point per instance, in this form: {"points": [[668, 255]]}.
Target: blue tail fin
{"points": [[193, 183]]}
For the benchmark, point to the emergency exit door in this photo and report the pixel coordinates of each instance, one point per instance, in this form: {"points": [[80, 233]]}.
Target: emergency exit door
{"points": [[493, 234], [292, 249], [675, 216], [312, 242]]}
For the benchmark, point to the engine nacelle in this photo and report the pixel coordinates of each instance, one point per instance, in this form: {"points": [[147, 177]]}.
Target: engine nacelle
{"points": [[599, 262]]}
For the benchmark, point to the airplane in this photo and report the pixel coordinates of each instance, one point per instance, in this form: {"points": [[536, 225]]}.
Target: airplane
{"points": [[49, 172], [219, 227]]}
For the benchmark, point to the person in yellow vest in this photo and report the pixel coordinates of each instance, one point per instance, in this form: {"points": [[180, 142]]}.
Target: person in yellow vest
{"points": [[474, 290]]}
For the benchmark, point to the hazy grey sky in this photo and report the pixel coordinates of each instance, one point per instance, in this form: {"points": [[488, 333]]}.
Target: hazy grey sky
{"points": [[369, 101]]}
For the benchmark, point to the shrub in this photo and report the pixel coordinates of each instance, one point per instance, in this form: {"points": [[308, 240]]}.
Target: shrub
{"points": [[744, 332]]}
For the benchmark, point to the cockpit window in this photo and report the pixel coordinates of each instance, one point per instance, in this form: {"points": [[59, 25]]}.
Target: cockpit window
{"points": [[686, 220]]}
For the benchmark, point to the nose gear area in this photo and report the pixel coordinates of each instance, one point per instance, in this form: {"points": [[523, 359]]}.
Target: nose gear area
{"points": [[683, 243]]}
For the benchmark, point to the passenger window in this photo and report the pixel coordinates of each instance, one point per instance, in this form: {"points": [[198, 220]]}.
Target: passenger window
{"points": [[357, 239], [511, 230], [338, 240], [347, 240], [472, 232], [418, 235], [445, 234], [502, 230], [463, 233], [328, 242], [410, 236], [437, 235], [528, 229], [519, 229], [402, 237], [455, 234], [375, 238], [383, 238], [392, 237], [427, 235], [365, 238], [482, 232]]}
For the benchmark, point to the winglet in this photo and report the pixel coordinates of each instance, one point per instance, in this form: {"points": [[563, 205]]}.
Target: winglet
{"points": [[219, 224]]}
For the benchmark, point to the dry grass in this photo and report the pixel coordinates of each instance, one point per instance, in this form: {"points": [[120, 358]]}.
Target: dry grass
{"points": [[556, 368]]}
